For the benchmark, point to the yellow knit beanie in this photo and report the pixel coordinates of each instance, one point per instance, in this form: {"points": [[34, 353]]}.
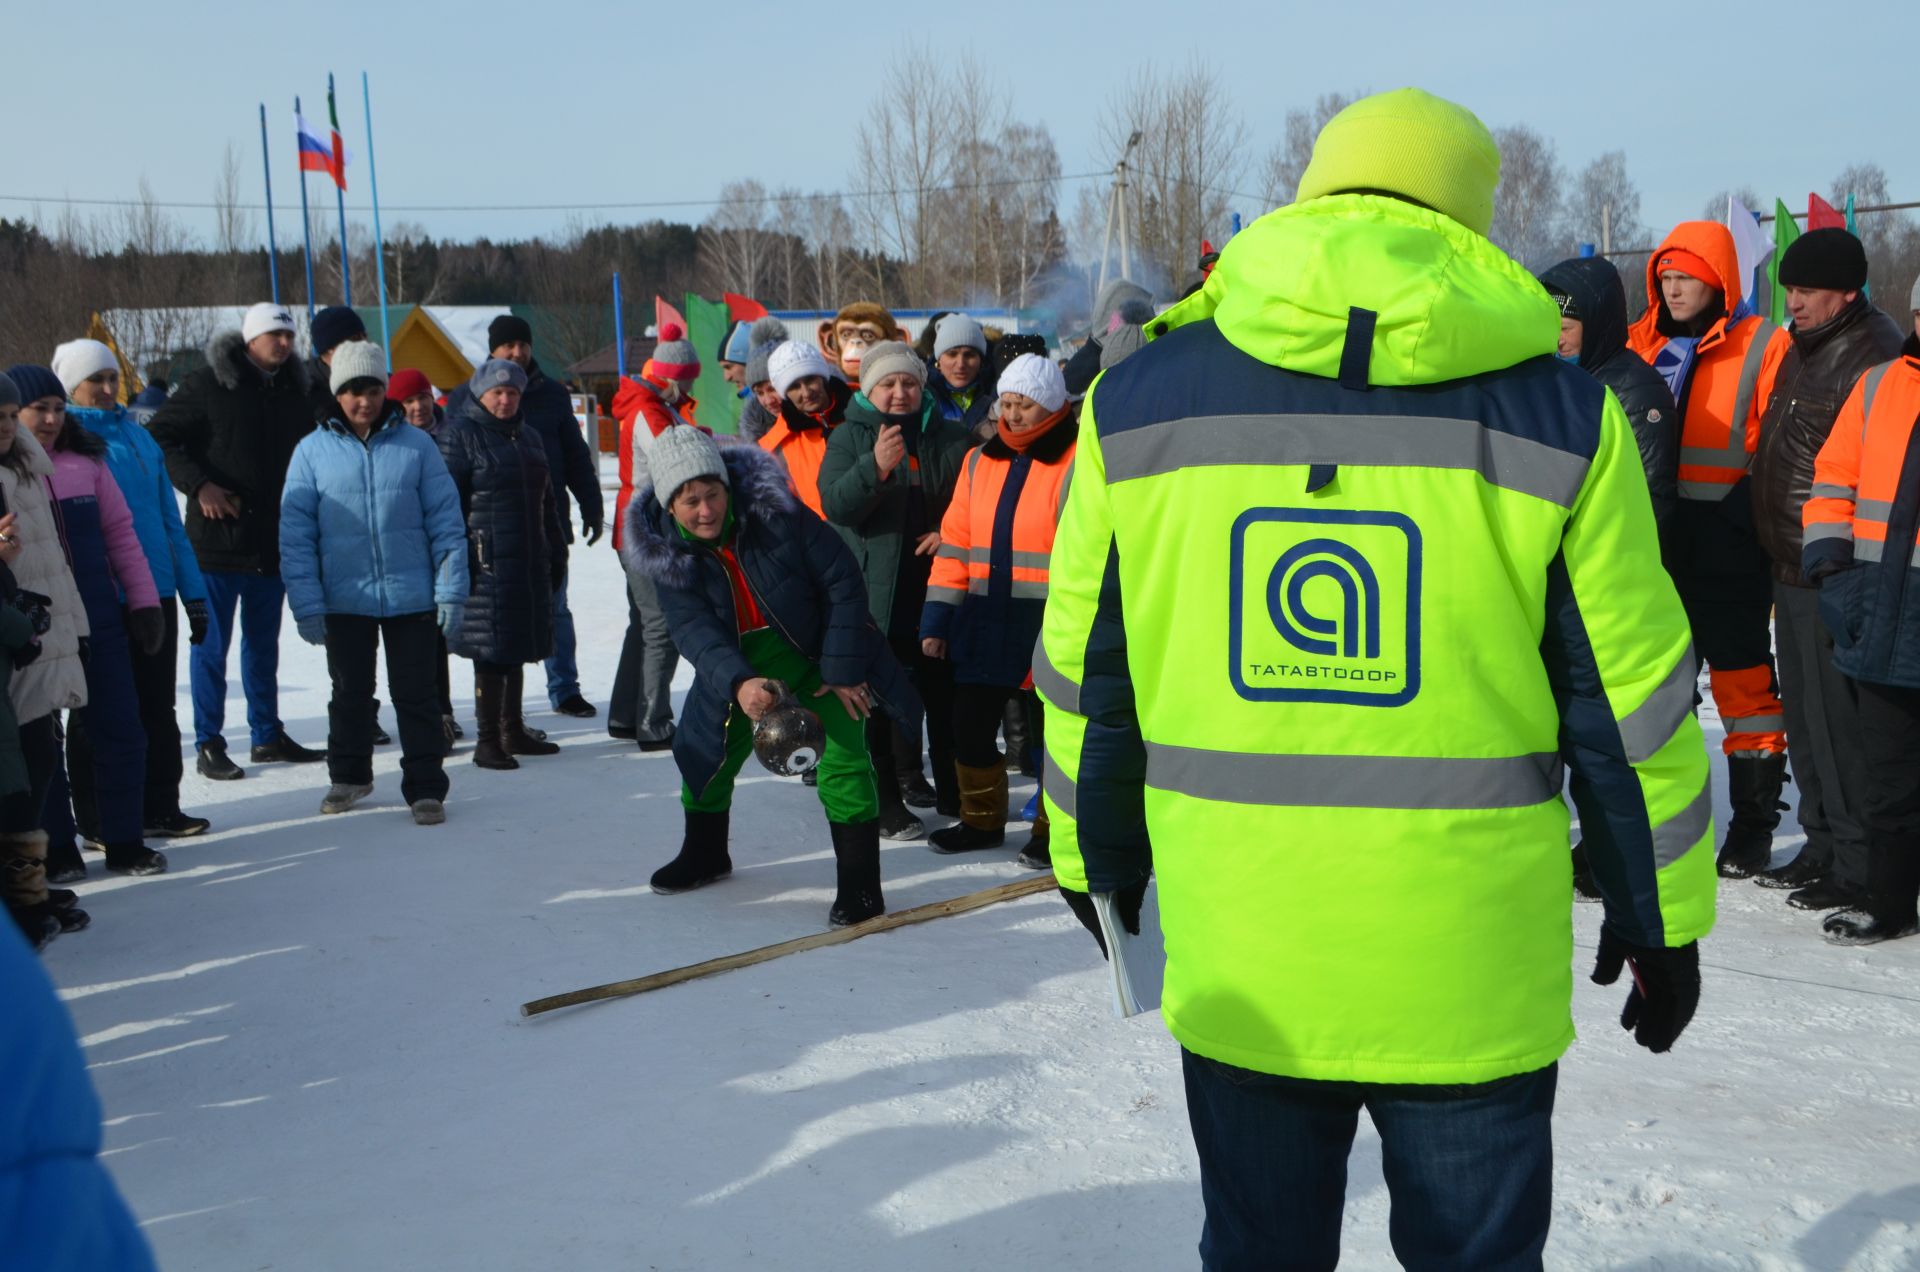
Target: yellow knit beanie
{"points": [[1413, 144]]}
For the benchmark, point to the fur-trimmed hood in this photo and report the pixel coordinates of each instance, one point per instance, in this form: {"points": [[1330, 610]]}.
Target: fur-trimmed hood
{"points": [[652, 547], [227, 358]]}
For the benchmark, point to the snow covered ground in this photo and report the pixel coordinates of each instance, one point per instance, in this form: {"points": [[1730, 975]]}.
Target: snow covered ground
{"points": [[308, 1043]]}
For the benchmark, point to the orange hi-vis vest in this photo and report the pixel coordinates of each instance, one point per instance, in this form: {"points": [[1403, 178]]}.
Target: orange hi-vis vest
{"points": [[802, 451], [964, 563], [1734, 364], [1857, 473]]}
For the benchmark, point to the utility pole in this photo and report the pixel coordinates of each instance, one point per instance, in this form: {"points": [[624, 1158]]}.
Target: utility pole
{"points": [[1117, 201]]}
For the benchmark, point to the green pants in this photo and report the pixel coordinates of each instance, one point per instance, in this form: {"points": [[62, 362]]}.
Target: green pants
{"points": [[846, 782]]}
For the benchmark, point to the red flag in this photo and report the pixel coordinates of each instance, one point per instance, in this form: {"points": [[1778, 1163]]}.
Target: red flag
{"points": [[743, 308], [1822, 215], [663, 313]]}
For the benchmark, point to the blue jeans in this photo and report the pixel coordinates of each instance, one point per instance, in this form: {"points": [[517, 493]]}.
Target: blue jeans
{"points": [[1469, 1168], [261, 598], [563, 669]]}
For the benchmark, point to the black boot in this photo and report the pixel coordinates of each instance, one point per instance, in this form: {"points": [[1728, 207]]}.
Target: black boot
{"points": [[1013, 724], [514, 734], [856, 861], [1887, 911], [213, 763], [703, 855], [1754, 781], [1826, 893], [135, 858], [1809, 866], [983, 809], [489, 687], [916, 791], [283, 749], [64, 863]]}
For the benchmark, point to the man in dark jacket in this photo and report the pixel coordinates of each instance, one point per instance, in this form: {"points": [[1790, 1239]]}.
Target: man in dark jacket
{"points": [[1837, 334], [547, 408], [1593, 335], [228, 435], [331, 327]]}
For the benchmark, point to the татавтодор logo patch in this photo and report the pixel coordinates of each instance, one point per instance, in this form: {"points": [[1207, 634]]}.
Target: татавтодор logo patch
{"points": [[1325, 607]]}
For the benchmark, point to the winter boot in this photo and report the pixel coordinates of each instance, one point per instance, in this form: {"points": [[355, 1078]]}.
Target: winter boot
{"points": [[135, 858], [1013, 724], [489, 687], [39, 928], [342, 796], [1889, 909], [428, 811], [983, 811], [916, 791], [514, 735], [211, 762], [856, 863], [1826, 893], [1754, 780], [284, 749], [1584, 888], [23, 873], [703, 856], [175, 825], [1811, 865], [947, 801], [1038, 854], [64, 863]]}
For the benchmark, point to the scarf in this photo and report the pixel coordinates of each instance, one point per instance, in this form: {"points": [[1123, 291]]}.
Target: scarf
{"points": [[1020, 442]]}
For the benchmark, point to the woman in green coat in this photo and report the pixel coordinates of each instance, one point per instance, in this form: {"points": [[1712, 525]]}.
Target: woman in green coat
{"points": [[885, 483]]}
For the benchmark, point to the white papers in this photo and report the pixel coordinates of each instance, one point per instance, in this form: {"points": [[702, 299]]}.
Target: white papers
{"points": [[1136, 965]]}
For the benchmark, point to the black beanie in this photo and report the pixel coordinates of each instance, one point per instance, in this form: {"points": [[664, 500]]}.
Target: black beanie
{"points": [[1831, 259], [333, 327], [506, 329]]}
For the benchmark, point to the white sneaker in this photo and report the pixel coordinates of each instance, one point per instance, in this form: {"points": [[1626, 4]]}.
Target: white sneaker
{"points": [[341, 796], [428, 812]]}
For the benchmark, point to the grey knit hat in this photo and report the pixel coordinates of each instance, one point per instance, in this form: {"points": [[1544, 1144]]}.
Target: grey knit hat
{"points": [[495, 372], [356, 360], [1121, 343], [767, 335], [9, 392], [890, 357], [683, 453], [958, 331]]}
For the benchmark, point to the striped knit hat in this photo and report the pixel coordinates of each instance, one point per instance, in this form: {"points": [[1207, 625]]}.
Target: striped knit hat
{"points": [[674, 357]]}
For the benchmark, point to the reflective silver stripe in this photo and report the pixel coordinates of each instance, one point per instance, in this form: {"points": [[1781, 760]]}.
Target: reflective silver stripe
{"points": [[1024, 560], [1355, 781], [1059, 787], [1755, 724], [1060, 692], [1743, 392], [1680, 832], [1871, 385], [1708, 457], [1066, 486], [1653, 723], [1831, 490], [952, 552], [1707, 491], [945, 595], [1827, 530], [1868, 549], [1872, 509], [1376, 441], [1021, 589]]}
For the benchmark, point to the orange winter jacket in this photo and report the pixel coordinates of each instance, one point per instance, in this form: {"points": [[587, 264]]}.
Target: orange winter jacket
{"points": [[800, 441], [1724, 393], [1857, 476], [635, 400]]}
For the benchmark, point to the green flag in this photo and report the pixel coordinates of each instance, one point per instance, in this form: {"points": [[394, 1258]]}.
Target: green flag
{"points": [[1853, 228], [1785, 231], [719, 405]]}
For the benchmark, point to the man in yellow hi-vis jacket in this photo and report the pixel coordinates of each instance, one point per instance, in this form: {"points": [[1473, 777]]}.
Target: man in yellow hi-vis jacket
{"points": [[1350, 566]]}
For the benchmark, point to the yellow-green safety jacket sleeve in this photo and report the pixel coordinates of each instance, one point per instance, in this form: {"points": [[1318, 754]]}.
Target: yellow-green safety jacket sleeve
{"points": [[1095, 762]]}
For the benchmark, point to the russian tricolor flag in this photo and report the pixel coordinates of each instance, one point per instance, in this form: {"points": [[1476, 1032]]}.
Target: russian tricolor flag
{"points": [[317, 156]]}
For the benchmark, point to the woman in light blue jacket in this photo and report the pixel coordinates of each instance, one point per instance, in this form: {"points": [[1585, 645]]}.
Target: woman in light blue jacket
{"points": [[90, 372], [373, 551]]}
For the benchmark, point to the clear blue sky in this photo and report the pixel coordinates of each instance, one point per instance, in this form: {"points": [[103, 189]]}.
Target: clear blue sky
{"points": [[487, 103]]}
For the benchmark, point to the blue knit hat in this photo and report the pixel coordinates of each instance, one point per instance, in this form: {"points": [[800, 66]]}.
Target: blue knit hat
{"points": [[35, 383], [495, 372], [738, 346], [333, 327]]}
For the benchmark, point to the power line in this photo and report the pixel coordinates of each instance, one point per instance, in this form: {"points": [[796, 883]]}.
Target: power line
{"points": [[566, 207]]}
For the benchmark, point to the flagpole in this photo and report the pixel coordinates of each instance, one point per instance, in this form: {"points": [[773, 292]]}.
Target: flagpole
{"points": [[619, 329], [379, 250], [306, 218], [340, 198], [273, 250]]}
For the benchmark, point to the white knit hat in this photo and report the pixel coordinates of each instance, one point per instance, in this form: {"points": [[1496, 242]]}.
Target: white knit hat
{"points": [[264, 317], [793, 362], [957, 331], [1035, 377], [77, 361], [356, 360]]}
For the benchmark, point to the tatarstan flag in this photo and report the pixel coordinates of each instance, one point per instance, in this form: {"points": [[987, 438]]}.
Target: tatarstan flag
{"points": [[338, 168], [718, 402], [1785, 231]]}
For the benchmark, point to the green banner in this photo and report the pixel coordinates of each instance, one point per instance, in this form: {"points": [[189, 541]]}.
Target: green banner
{"points": [[1785, 231], [719, 408]]}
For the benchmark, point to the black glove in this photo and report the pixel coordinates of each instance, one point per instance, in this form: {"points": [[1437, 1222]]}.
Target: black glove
{"points": [[196, 621], [1666, 987], [35, 607], [593, 531], [147, 628], [1127, 900]]}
